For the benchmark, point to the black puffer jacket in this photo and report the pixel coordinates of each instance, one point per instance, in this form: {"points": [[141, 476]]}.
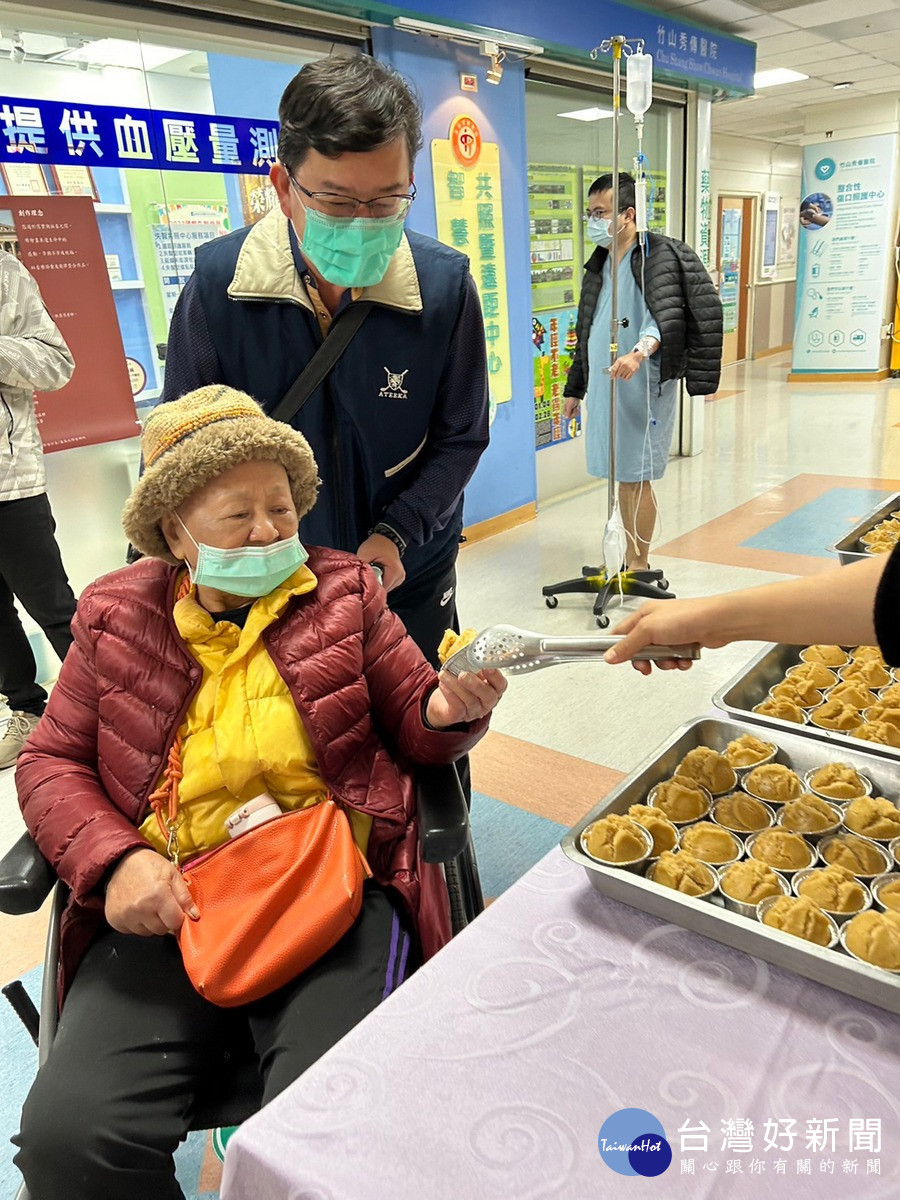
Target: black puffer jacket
{"points": [[684, 304]]}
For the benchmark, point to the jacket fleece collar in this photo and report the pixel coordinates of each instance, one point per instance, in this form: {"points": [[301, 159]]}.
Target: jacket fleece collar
{"points": [[265, 270]]}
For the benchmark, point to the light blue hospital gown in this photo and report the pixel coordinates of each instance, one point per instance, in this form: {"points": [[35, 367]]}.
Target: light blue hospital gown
{"points": [[640, 453]]}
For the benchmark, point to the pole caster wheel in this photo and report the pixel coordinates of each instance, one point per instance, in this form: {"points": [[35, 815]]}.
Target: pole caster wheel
{"points": [[662, 584], [551, 601], [602, 621]]}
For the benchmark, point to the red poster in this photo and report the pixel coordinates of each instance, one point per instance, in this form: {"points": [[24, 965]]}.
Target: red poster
{"points": [[60, 245]]}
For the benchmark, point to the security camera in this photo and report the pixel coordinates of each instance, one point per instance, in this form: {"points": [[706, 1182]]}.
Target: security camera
{"points": [[17, 53]]}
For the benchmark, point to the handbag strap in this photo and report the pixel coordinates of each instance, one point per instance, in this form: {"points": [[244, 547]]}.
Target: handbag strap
{"points": [[321, 362], [166, 795]]}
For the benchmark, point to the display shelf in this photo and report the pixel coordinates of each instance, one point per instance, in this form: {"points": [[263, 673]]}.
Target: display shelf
{"points": [[124, 284], [112, 208]]}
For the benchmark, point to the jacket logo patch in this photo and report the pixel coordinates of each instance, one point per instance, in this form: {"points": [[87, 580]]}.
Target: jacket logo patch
{"points": [[394, 389]]}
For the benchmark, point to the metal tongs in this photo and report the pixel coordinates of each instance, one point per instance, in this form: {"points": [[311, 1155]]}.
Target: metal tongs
{"points": [[516, 651]]}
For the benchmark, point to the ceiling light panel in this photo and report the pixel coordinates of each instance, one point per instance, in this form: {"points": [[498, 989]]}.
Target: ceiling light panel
{"points": [[116, 52], [588, 114], [776, 77]]}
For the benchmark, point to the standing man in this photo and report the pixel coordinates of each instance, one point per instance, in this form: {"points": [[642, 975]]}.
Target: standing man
{"points": [[400, 422], [32, 355], [670, 313]]}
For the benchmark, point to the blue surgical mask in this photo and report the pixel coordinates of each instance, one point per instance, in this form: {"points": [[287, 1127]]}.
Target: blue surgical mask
{"points": [[599, 230], [246, 570], [351, 251]]}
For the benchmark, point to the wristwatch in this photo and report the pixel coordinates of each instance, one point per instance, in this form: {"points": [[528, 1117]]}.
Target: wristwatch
{"points": [[391, 534]]}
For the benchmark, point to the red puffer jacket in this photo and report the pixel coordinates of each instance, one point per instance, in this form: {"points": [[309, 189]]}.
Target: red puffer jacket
{"points": [[357, 679]]}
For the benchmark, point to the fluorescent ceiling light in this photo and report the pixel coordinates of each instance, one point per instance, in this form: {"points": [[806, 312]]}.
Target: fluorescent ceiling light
{"points": [[588, 114], [414, 25], [764, 79], [116, 52]]}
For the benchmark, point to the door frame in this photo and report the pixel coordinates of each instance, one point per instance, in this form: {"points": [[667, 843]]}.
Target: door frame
{"points": [[750, 207]]}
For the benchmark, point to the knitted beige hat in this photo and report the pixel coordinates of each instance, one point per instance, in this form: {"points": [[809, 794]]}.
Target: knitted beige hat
{"points": [[192, 440]]}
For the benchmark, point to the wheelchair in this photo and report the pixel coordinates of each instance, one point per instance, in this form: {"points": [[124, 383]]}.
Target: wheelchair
{"points": [[232, 1092]]}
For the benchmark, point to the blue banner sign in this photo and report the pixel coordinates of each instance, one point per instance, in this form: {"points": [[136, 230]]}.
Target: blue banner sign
{"points": [[53, 131]]}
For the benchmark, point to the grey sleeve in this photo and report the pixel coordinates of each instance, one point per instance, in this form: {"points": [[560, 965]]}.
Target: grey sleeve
{"points": [[33, 353]]}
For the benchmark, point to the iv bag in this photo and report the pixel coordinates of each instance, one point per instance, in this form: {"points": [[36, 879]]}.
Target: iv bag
{"points": [[615, 543], [639, 83]]}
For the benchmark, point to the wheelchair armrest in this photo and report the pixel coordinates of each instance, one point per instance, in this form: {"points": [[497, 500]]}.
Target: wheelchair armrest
{"points": [[443, 813], [26, 878]]}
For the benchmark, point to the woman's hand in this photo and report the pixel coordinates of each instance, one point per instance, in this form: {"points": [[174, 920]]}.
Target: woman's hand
{"points": [[147, 895], [671, 623], [466, 697]]}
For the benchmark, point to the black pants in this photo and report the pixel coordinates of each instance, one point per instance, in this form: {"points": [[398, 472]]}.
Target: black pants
{"points": [[113, 1100], [31, 569], [427, 606]]}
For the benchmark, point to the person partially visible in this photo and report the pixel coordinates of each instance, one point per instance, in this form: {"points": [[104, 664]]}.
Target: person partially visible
{"points": [[671, 321], [401, 421], [849, 606], [33, 356], [230, 664]]}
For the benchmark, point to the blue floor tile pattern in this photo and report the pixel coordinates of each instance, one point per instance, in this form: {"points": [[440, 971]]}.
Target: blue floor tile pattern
{"points": [[800, 532], [508, 842]]}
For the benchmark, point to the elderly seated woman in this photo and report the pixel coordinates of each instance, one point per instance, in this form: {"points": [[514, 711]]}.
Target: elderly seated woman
{"points": [[226, 665]]}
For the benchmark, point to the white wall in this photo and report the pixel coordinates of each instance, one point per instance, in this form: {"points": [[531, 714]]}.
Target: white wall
{"points": [[751, 167]]}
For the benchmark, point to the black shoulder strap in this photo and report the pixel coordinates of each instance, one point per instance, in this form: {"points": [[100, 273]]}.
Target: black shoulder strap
{"points": [[321, 362]]}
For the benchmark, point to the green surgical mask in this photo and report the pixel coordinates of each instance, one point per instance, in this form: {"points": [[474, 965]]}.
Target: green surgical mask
{"points": [[351, 251], [246, 570]]}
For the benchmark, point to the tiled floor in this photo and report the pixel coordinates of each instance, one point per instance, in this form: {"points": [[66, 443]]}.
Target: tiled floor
{"points": [[785, 472]]}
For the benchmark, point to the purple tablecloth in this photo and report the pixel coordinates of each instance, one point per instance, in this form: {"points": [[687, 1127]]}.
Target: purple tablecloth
{"points": [[490, 1073]]}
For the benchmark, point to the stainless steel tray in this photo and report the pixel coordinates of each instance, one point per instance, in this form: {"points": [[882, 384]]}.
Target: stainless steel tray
{"points": [[832, 967], [850, 549], [751, 686]]}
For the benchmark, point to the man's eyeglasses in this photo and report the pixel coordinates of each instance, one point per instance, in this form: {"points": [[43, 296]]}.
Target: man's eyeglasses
{"points": [[593, 212], [348, 206]]}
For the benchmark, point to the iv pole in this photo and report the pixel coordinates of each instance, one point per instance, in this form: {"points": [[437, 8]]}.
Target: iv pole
{"points": [[612, 578]]}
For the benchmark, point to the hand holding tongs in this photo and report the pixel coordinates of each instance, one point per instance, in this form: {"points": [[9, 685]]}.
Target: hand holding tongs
{"points": [[515, 651]]}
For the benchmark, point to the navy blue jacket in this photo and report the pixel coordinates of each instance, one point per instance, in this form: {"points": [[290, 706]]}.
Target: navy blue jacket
{"points": [[399, 425]]}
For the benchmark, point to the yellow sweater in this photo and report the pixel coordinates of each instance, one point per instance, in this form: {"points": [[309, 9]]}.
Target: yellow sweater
{"points": [[242, 734]]}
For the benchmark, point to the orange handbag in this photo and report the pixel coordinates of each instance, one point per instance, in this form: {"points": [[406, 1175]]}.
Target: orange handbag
{"points": [[271, 901]]}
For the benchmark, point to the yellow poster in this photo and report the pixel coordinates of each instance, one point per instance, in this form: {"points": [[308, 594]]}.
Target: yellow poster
{"points": [[469, 207]]}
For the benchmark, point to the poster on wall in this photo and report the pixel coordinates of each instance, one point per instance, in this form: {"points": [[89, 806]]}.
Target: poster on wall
{"points": [[846, 216], [769, 240], [60, 245], [789, 227], [555, 230], [258, 197], [558, 252], [553, 341], [180, 229], [469, 210]]}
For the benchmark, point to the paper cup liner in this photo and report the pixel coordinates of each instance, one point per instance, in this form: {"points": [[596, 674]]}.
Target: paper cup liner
{"points": [[636, 864], [651, 800], [763, 907], [838, 917], [813, 835], [787, 872], [743, 907], [884, 855]]}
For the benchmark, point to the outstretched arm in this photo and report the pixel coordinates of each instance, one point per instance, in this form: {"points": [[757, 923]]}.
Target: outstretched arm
{"points": [[836, 607]]}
